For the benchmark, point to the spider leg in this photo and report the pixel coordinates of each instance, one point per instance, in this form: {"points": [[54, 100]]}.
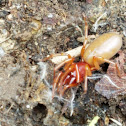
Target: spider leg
{"points": [[68, 62], [56, 79], [55, 82], [87, 73], [86, 36], [96, 63], [60, 84], [85, 83], [77, 74], [68, 86], [54, 55], [73, 84]]}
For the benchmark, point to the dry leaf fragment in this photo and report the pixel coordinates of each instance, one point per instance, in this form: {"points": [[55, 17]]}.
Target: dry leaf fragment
{"points": [[111, 85]]}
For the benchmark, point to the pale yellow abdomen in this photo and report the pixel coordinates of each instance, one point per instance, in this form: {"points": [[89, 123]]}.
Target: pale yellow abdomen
{"points": [[106, 46]]}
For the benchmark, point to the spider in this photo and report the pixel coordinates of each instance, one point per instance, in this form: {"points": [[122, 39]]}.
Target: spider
{"points": [[98, 52]]}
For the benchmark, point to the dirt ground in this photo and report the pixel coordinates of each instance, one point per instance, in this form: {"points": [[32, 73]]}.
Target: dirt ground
{"points": [[32, 29]]}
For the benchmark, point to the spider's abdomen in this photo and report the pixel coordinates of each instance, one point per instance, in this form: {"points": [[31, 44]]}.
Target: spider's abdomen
{"points": [[106, 46]]}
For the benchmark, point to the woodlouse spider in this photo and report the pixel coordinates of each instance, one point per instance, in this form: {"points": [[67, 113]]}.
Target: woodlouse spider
{"points": [[99, 51]]}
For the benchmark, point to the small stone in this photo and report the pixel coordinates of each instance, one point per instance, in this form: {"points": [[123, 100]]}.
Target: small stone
{"points": [[35, 25]]}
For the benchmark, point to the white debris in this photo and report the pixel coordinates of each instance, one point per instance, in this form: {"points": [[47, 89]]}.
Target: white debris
{"points": [[95, 76], [109, 79], [49, 28], [94, 121], [96, 24], [43, 70], [72, 102], [27, 106], [2, 53], [124, 32], [116, 122], [48, 95], [50, 15]]}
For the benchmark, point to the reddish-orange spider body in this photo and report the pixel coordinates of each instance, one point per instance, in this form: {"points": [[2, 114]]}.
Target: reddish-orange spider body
{"points": [[71, 77], [98, 52], [74, 77]]}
